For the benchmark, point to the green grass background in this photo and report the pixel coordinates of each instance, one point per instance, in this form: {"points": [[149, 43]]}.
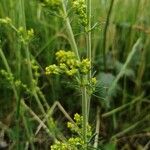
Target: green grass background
{"points": [[128, 21]]}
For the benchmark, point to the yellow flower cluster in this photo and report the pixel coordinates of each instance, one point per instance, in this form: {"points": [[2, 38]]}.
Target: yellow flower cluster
{"points": [[74, 143], [62, 56], [78, 142], [79, 7], [77, 126], [6, 20], [68, 64], [52, 69], [71, 144], [78, 118], [25, 35], [92, 85], [93, 81], [85, 65], [10, 78], [60, 146], [52, 4], [35, 69]]}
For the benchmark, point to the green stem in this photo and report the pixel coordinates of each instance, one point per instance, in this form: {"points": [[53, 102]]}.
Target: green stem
{"points": [[29, 68], [33, 88], [123, 69], [98, 123], [29, 135], [16, 96], [105, 33], [107, 114], [34, 91], [84, 114], [38, 119], [132, 127], [41, 95], [70, 32], [89, 44]]}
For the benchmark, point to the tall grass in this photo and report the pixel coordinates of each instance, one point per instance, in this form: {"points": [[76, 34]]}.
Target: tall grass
{"points": [[116, 41]]}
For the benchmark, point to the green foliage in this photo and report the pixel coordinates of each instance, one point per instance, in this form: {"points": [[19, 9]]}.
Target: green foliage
{"points": [[11, 80], [128, 72], [110, 146], [116, 75], [25, 36]]}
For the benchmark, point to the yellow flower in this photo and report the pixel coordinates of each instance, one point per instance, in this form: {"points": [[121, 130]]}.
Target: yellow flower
{"points": [[68, 64], [85, 66], [30, 33], [6, 20], [60, 54], [71, 72], [52, 4], [79, 7], [52, 69], [71, 63], [86, 62], [93, 81], [63, 56], [70, 125], [63, 67], [76, 141], [77, 117]]}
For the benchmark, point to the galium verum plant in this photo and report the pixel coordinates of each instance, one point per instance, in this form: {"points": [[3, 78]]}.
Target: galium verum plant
{"points": [[76, 142], [69, 65]]}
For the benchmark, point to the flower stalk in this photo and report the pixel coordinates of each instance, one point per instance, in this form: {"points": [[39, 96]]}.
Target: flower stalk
{"points": [[70, 32], [85, 117], [89, 46]]}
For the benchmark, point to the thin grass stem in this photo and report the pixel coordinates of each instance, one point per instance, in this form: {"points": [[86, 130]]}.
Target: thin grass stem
{"points": [[105, 33]]}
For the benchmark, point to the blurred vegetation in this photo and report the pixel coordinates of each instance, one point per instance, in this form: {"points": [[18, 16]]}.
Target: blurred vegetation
{"points": [[120, 61]]}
